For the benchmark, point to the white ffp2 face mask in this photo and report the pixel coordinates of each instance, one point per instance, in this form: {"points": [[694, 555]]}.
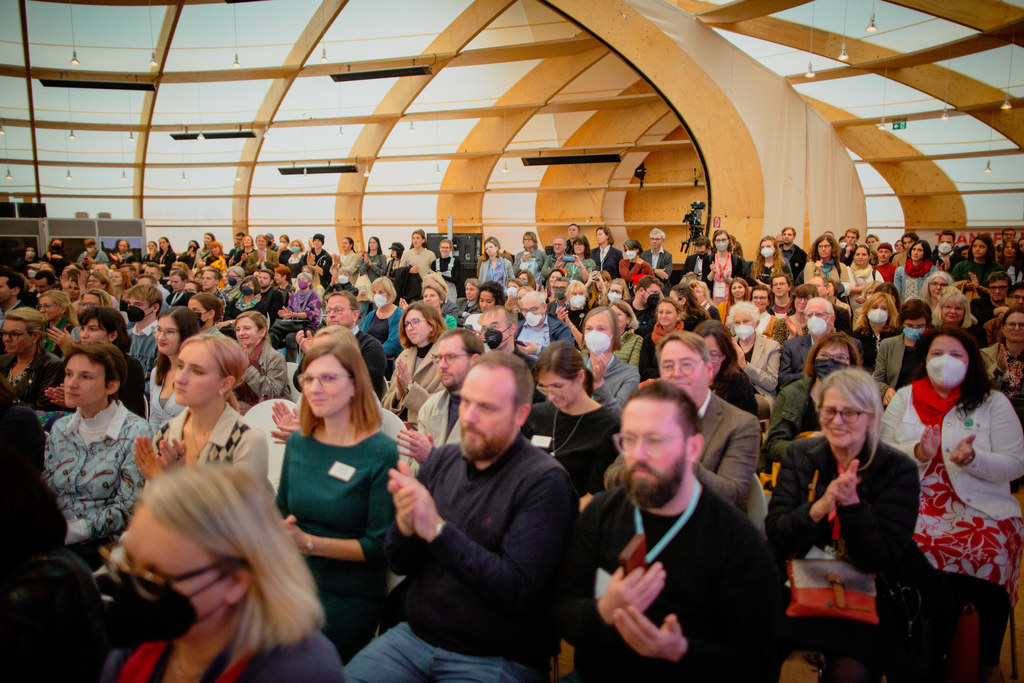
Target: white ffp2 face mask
{"points": [[878, 316], [577, 301], [744, 332], [597, 342], [816, 326], [533, 319], [946, 370], [630, 255], [379, 300]]}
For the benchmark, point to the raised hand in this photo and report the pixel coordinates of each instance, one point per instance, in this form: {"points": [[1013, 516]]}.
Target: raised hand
{"points": [[844, 487], [929, 445], [637, 589], [415, 445], [963, 454], [286, 420]]}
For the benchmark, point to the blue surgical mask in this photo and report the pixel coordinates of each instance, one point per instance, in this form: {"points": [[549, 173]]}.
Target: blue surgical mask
{"points": [[913, 334]]}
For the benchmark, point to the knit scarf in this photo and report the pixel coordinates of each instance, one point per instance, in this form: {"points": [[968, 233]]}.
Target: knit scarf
{"points": [[658, 332], [920, 270], [931, 407]]}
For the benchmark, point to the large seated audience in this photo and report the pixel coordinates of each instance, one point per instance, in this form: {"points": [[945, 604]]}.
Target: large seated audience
{"points": [[468, 454]]}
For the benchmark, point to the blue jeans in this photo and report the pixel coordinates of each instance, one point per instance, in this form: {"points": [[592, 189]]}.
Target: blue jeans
{"points": [[399, 656]]}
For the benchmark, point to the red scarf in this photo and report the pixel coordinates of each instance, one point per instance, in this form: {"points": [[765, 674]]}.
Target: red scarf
{"points": [[658, 332], [920, 270], [140, 666], [931, 407]]}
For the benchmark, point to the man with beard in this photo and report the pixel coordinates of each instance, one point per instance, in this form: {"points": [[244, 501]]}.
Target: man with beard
{"points": [[701, 605], [479, 534], [437, 422]]}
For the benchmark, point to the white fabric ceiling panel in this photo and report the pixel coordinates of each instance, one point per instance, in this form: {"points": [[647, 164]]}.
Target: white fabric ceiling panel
{"points": [[10, 35], [872, 180], [298, 220], [163, 149], [994, 210], [17, 142], [166, 212], [268, 180], [969, 174], [308, 142], [322, 97], [406, 175], [415, 211], [85, 106], [266, 32], [606, 78], [127, 48], [53, 179], [89, 146], [380, 29], [14, 102], [505, 208], [197, 182], [781, 59], [523, 22], [444, 136], [190, 104], [23, 179], [884, 211], [470, 86], [863, 96], [993, 68], [958, 134], [899, 28]]}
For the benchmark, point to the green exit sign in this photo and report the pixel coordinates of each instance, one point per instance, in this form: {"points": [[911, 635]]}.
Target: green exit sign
{"points": [[899, 125]]}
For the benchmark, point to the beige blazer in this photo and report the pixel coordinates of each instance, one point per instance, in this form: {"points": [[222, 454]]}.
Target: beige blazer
{"points": [[433, 420], [425, 381], [763, 368]]}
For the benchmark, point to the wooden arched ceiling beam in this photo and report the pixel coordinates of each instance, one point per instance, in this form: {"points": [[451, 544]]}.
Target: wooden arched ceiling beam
{"points": [[739, 10], [602, 128], [716, 127], [310, 37], [541, 83], [934, 80], [348, 208], [163, 45], [980, 15], [908, 178]]}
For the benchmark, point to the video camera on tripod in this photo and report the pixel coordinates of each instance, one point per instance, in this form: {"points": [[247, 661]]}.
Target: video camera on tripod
{"points": [[693, 218]]}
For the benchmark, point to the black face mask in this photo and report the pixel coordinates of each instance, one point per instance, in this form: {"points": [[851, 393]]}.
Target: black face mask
{"points": [[824, 368], [652, 300], [246, 290], [133, 619], [135, 314], [559, 294], [493, 339]]}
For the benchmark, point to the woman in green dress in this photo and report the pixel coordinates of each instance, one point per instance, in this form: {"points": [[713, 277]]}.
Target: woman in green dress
{"points": [[333, 492]]}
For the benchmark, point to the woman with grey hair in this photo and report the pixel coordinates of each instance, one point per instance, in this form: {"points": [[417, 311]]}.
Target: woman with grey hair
{"points": [[934, 285], [953, 310], [847, 496]]}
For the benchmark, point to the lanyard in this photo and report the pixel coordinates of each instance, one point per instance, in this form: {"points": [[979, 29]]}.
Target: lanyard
{"points": [[671, 533]]}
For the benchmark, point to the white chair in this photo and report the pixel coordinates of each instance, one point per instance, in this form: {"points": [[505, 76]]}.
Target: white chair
{"points": [[755, 505], [295, 393], [261, 416], [392, 424]]}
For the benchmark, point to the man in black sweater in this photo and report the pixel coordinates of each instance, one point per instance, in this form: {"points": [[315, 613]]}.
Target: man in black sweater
{"points": [[479, 534], [701, 602], [794, 255]]}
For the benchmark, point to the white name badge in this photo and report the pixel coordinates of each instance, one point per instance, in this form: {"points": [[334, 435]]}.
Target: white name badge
{"points": [[541, 441], [340, 470], [719, 291], [601, 581]]}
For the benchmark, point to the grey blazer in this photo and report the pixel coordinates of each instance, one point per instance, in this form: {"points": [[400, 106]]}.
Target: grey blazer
{"points": [[731, 441], [663, 261], [763, 368]]}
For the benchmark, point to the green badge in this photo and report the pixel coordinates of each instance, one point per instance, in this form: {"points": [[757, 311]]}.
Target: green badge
{"points": [[969, 422]]}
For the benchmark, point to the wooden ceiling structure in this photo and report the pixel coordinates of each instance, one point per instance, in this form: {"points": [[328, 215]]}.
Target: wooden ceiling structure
{"points": [[653, 118]]}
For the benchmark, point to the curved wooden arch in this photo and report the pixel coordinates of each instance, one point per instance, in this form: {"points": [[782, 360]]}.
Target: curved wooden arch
{"points": [[348, 207], [606, 127], [541, 83], [731, 158], [310, 37], [904, 177]]}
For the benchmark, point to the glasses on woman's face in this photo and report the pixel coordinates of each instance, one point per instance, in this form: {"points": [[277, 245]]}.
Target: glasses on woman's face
{"points": [[829, 413], [152, 585], [413, 322], [11, 334], [716, 357], [326, 379], [838, 357]]}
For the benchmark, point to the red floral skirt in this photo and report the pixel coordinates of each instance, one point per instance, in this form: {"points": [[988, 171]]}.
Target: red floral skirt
{"points": [[960, 539]]}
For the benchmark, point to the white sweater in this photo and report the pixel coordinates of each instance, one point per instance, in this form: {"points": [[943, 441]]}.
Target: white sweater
{"points": [[998, 449]]}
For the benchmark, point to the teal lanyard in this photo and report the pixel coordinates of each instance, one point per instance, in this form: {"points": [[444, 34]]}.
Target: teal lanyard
{"points": [[671, 533]]}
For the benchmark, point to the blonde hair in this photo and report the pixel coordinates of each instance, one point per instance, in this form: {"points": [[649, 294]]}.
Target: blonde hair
{"points": [[385, 284], [364, 413], [35, 321], [63, 301], [956, 296], [103, 296], [227, 354], [231, 514], [861, 319], [628, 311]]}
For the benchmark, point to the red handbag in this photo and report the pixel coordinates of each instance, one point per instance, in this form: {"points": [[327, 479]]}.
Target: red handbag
{"points": [[962, 662], [831, 589]]}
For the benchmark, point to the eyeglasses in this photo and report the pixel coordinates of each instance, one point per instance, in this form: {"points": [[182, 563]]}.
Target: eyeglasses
{"points": [[828, 413], [169, 331], [327, 379], [1014, 326], [687, 366], [716, 357], [627, 443], [824, 355], [11, 335], [152, 585], [414, 322], [337, 311], [448, 358]]}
